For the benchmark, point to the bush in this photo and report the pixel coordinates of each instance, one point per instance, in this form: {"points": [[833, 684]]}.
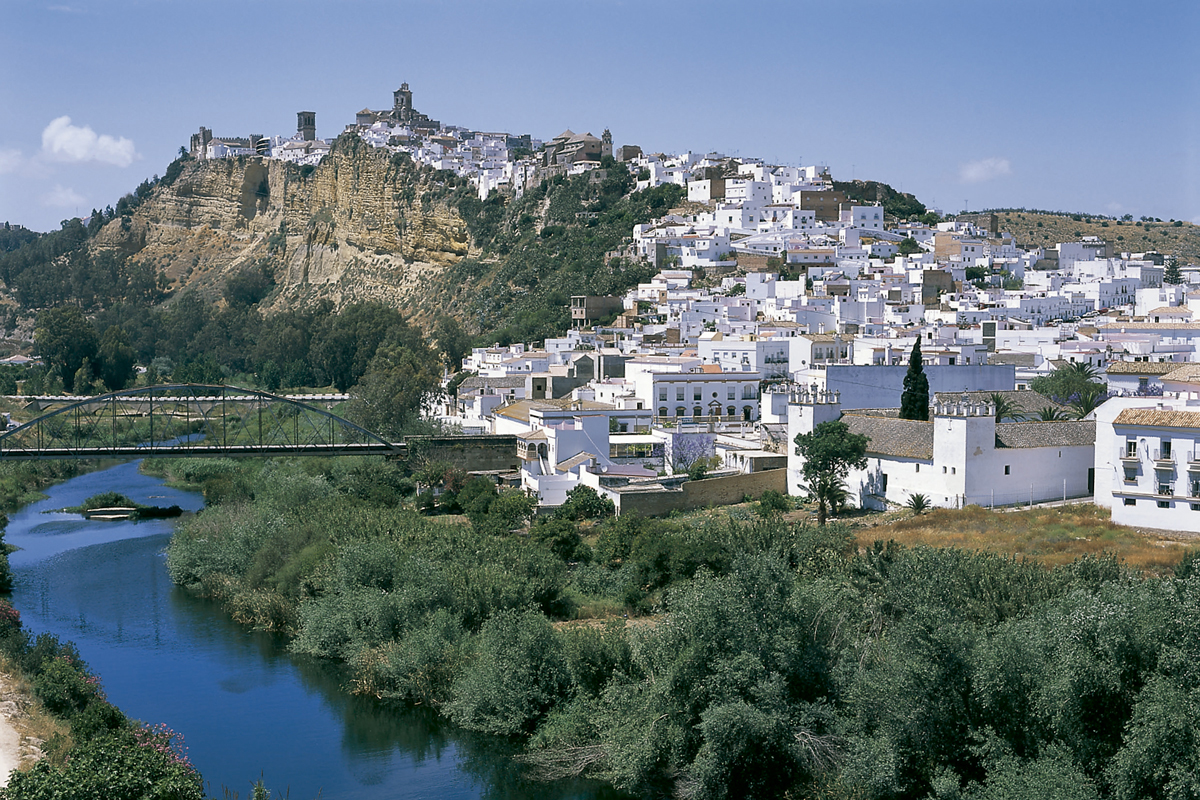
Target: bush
{"points": [[518, 673], [773, 502], [583, 502]]}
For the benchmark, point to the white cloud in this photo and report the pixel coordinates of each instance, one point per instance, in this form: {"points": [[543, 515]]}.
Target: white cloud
{"points": [[63, 141], [985, 169], [62, 197], [9, 160]]}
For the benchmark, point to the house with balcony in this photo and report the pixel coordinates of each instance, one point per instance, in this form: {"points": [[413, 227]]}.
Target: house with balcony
{"points": [[1148, 462]]}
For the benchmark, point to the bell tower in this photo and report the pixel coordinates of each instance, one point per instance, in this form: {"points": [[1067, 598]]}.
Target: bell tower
{"points": [[306, 125], [402, 103]]}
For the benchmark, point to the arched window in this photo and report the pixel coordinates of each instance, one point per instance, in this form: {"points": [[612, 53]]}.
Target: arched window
{"points": [[680, 411], [662, 411]]}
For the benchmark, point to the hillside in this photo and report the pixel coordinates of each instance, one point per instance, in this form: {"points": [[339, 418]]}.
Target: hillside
{"points": [[1044, 229], [364, 225]]}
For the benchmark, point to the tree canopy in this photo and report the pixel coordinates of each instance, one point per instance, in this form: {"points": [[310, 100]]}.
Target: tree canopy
{"points": [[914, 400], [830, 452]]}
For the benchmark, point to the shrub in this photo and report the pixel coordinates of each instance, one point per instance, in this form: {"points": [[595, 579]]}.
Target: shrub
{"points": [[583, 502], [518, 673], [773, 502]]}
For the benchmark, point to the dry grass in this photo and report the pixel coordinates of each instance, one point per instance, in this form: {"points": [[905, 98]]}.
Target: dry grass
{"points": [[1125, 236], [21, 709], [1054, 536]]}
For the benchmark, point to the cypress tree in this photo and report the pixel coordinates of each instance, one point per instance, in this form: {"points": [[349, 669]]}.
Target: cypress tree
{"points": [[914, 402]]}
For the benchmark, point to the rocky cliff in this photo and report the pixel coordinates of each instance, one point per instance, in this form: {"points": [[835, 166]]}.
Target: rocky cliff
{"points": [[363, 225]]}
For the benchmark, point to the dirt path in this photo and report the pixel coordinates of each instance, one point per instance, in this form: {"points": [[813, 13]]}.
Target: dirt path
{"points": [[10, 738]]}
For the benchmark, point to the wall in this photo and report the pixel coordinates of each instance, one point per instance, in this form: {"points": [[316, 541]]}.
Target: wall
{"points": [[467, 452], [700, 494], [880, 386]]}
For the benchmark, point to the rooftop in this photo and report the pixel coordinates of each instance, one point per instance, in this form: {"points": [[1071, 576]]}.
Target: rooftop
{"points": [[1158, 418]]}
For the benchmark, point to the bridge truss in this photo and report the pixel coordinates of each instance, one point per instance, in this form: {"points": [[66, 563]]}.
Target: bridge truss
{"points": [[189, 420]]}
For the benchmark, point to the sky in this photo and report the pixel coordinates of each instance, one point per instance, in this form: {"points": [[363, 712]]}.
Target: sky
{"points": [[1074, 106]]}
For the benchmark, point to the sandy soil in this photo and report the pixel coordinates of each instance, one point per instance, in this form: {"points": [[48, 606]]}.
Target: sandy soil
{"points": [[10, 739]]}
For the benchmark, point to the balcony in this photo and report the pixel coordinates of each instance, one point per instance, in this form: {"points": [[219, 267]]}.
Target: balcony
{"points": [[1163, 458], [1127, 454]]}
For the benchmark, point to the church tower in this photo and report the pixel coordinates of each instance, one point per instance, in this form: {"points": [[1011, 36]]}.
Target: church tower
{"points": [[402, 106], [306, 125]]}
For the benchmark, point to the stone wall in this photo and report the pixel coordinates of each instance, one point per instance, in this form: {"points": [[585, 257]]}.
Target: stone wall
{"points": [[691, 495], [471, 453]]}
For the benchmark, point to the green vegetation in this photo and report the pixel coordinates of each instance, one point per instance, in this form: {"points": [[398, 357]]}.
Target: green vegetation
{"points": [[897, 204], [914, 400], [776, 660], [1074, 385], [829, 453], [118, 500], [105, 755], [520, 288]]}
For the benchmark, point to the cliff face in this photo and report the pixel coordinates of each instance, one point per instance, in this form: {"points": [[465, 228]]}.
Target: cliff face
{"points": [[361, 226]]}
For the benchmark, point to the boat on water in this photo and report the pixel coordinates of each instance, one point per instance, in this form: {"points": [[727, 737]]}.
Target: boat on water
{"points": [[111, 513]]}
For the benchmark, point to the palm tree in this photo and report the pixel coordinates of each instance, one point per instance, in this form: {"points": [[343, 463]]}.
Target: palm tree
{"points": [[1085, 371], [918, 503], [1051, 414], [1088, 400], [830, 493], [1005, 409]]}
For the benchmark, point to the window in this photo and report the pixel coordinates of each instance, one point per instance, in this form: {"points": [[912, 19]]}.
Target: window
{"points": [[679, 393], [1129, 501], [1195, 506], [1164, 503], [918, 467], [1166, 448], [883, 482], [943, 470], [1006, 470], [732, 393], [1164, 488], [1131, 448], [696, 393], [1130, 475], [662, 393]]}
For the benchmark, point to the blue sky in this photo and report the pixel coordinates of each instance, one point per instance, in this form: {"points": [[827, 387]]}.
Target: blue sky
{"points": [[1077, 106]]}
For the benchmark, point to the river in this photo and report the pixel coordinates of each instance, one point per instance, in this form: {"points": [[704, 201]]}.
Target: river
{"points": [[247, 707]]}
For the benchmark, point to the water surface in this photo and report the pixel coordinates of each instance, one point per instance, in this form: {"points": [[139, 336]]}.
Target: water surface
{"points": [[247, 708]]}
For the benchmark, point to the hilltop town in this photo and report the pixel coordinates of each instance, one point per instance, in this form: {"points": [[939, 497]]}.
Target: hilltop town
{"points": [[780, 298]]}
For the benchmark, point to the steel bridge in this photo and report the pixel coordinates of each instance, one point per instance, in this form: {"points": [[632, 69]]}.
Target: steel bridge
{"points": [[189, 420]]}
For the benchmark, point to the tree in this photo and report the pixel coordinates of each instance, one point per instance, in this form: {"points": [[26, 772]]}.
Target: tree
{"points": [[1067, 383], [829, 453], [1005, 408], [909, 246], [914, 401], [1051, 414], [118, 362], [453, 341], [403, 374], [1172, 274], [65, 339]]}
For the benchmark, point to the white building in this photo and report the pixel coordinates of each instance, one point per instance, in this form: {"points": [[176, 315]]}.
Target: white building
{"points": [[1148, 462], [961, 457]]}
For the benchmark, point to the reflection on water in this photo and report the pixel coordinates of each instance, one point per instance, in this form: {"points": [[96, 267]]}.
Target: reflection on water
{"points": [[246, 706]]}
